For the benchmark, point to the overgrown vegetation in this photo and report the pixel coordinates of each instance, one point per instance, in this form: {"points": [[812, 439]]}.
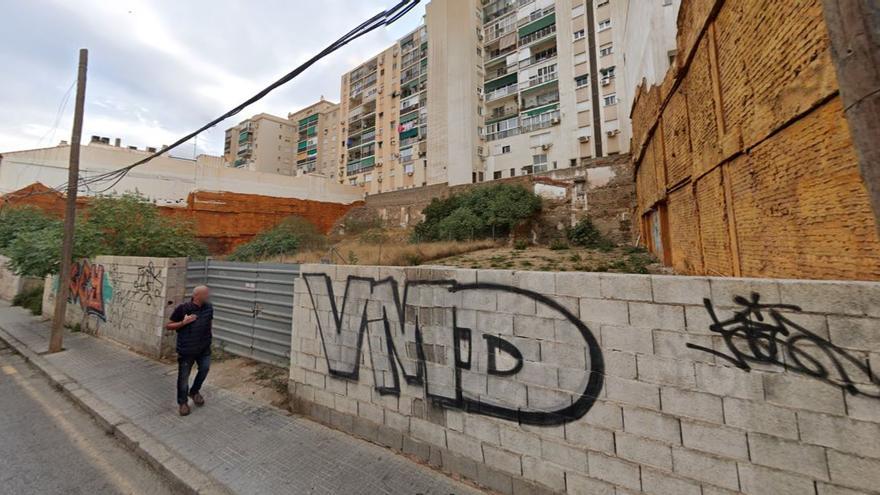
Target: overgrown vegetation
{"points": [[126, 225], [485, 212], [31, 299], [288, 237], [585, 234]]}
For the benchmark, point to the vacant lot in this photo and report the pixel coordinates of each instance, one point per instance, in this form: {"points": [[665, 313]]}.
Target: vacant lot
{"points": [[539, 258]]}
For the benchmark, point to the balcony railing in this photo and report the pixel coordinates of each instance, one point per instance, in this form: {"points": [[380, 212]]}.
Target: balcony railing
{"points": [[539, 80], [501, 92], [537, 35], [494, 136], [541, 121]]}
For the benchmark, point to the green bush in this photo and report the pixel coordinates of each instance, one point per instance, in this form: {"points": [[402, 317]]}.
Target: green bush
{"points": [[492, 211], [30, 299], [15, 220], [126, 225], [585, 234], [289, 236]]}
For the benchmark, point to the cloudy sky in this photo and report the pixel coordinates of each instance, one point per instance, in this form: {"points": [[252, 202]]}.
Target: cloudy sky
{"points": [[159, 69]]}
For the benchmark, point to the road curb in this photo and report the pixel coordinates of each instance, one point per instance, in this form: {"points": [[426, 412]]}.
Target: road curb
{"points": [[179, 471]]}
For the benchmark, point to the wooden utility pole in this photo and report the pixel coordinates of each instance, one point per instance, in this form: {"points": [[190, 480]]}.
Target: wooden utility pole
{"points": [[854, 28], [57, 337]]}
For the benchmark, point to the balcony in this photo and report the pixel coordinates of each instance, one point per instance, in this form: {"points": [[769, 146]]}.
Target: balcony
{"points": [[538, 35], [498, 55], [502, 92], [540, 121], [494, 136], [539, 80], [543, 99]]}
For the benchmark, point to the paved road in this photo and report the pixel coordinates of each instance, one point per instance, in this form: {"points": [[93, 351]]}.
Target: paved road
{"points": [[49, 446]]}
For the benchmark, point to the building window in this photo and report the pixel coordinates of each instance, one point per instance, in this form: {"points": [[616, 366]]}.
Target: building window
{"points": [[610, 100], [505, 149], [513, 172], [579, 35], [602, 3], [582, 81], [603, 25], [496, 175], [606, 50]]}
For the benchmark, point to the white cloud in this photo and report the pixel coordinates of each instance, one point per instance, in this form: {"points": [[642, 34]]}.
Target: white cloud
{"points": [[160, 68]]}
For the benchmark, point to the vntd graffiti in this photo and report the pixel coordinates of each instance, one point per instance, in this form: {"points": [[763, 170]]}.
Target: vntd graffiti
{"points": [[763, 334], [462, 358], [88, 289]]}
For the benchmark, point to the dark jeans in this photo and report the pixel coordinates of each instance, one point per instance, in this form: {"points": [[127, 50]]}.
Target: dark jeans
{"points": [[184, 368]]}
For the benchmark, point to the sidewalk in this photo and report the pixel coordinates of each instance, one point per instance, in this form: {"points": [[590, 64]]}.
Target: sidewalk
{"points": [[232, 444]]}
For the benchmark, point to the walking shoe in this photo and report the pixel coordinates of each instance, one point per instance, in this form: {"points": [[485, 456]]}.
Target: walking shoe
{"points": [[198, 399], [184, 410]]}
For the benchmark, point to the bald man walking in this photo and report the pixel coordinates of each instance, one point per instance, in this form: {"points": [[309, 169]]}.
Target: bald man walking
{"points": [[192, 322]]}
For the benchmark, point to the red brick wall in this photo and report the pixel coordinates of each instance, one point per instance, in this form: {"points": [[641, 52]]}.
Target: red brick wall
{"points": [[223, 220], [746, 145]]}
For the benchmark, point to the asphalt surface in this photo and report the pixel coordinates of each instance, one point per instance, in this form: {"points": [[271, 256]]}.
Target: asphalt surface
{"points": [[49, 446]]}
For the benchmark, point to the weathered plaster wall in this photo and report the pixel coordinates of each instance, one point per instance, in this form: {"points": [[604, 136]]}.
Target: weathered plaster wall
{"points": [[11, 284], [586, 383], [744, 161], [126, 299]]}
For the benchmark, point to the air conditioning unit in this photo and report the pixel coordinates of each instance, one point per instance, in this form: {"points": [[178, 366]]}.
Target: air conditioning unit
{"points": [[379, 179], [606, 81], [555, 121], [613, 133], [546, 147], [584, 139]]}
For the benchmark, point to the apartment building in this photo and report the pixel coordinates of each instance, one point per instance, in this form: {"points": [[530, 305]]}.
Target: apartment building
{"points": [[262, 143], [383, 118], [551, 89], [318, 141]]}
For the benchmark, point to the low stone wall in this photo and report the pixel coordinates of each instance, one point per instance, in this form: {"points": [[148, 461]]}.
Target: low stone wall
{"points": [[126, 299], [11, 284], [590, 383]]}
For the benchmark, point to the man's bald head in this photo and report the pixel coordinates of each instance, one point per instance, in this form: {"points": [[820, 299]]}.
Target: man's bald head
{"points": [[201, 294]]}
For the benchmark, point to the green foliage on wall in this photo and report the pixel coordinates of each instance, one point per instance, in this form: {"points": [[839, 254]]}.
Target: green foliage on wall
{"points": [[126, 225]]}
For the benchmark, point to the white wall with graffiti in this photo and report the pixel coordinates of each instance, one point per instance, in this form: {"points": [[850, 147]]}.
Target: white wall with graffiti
{"points": [[126, 299], [594, 383]]}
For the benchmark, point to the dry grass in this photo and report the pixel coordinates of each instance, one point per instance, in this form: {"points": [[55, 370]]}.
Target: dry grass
{"points": [[391, 253]]}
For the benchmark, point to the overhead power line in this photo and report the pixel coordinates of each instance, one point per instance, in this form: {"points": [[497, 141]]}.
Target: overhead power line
{"points": [[108, 180]]}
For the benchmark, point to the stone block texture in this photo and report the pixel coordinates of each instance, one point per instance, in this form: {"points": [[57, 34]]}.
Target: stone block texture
{"points": [[126, 299], [680, 393], [744, 161]]}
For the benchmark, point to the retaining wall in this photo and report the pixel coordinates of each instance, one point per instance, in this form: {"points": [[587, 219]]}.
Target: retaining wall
{"points": [[590, 383], [11, 284], [126, 299]]}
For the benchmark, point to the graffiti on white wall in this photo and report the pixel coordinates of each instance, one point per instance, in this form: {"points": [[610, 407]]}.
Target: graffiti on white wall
{"points": [[462, 358]]}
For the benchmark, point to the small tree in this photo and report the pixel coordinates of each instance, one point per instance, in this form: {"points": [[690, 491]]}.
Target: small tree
{"points": [[14, 220], [483, 212]]}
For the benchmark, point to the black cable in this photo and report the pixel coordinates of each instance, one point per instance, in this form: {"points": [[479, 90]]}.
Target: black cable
{"points": [[384, 18]]}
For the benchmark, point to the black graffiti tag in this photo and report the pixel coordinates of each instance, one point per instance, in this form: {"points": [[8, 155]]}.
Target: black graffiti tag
{"points": [[763, 334], [412, 337]]}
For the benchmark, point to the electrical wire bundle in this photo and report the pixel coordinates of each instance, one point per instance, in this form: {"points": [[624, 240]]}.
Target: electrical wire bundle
{"points": [[104, 182]]}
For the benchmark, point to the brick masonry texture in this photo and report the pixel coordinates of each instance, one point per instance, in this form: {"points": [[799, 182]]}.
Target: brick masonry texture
{"points": [[681, 403], [126, 299], [743, 155]]}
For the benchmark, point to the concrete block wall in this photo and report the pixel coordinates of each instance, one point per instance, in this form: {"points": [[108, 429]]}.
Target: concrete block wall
{"points": [[11, 284], [587, 383], [126, 299]]}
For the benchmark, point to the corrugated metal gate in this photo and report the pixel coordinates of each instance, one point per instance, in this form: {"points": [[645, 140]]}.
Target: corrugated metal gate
{"points": [[253, 306]]}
